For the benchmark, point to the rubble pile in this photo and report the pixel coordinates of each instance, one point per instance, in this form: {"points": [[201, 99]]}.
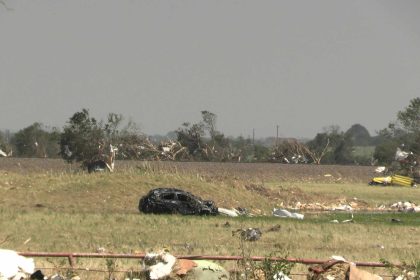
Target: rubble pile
{"points": [[354, 205], [405, 207], [144, 149]]}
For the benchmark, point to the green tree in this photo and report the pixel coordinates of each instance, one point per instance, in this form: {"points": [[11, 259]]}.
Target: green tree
{"points": [[190, 136], [36, 141], [215, 147], [81, 138], [335, 146], [343, 149], [405, 130], [359, 135], [410, 116]]}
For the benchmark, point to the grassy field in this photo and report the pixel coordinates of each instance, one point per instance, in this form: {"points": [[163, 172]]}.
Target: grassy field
{"points": [[53, 209]]}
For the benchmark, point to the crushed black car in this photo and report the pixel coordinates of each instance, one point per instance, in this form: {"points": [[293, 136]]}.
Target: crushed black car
{"points": [[175, 201]]}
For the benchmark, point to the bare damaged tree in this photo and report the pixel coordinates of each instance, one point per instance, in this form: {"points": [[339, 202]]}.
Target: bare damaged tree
{"points": [[290, 151], [317, 157]]}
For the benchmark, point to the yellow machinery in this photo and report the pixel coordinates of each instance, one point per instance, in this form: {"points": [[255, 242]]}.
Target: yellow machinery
{"points": [[398, 180]]}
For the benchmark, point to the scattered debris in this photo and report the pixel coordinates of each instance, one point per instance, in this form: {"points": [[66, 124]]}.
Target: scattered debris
{"points": [[103, 161], [406, 206], [397, 180], [407, 275], [381, 246], [380, 169], [13, 265], [3, 154], [281, 276], [172, 200], [163, 265], [100, 250], [342, 207], [394, 220], [234, 212], [228, 212], [208, 270], [182, 266], [344, 221], [339, 269], [402, 172], [57, 277], [159, 264], [283, 213], [38, 275], [401, 155], [249, 234]]}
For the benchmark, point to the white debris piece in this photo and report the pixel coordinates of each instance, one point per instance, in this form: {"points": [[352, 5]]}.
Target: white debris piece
{"points": [[3, 154], [228, 212], [283, 213], [406, 207], [281, 276], [338, 258], [343, 207], [12, 264], [380, 169], [159, 265], [344, 221], [400, 155]]}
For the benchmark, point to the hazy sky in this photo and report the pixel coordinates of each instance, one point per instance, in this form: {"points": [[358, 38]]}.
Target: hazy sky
{"points": [[302, 65]]}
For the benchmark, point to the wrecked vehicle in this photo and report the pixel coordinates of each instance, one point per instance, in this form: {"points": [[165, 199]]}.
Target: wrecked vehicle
{"points": [[403, 172], [104, 161], [175, 201], [397, 180]]}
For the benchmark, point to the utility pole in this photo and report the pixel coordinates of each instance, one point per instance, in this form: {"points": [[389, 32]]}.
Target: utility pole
{"points": [[277, 136], [253, 136]]}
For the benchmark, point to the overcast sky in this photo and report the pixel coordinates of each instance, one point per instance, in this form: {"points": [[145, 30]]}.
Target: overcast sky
{"points": [[302, 65]]}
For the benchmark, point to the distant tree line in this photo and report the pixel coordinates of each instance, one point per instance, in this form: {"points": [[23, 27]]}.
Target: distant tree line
{"points": [[83, 137]]}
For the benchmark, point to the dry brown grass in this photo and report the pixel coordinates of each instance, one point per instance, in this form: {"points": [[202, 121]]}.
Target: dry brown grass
{"points": [[65, 210]]}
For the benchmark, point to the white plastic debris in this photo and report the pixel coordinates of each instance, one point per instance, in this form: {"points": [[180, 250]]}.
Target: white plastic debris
{"points": [[406, 206], [281, 276], [400, 155], [338, 258], [283, 213], [380, 169], [12, 264], [343, 207], [344, 221], [159, 265], [3, 153], [228, 212]]}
